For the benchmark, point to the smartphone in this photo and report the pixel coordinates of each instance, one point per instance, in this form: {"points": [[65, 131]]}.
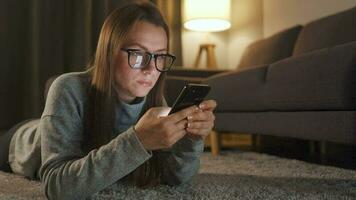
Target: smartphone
{"points": [[191, 94]]}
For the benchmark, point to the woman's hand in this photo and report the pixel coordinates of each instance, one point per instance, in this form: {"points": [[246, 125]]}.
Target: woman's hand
{"points": [[157, 132], [201, 123]]}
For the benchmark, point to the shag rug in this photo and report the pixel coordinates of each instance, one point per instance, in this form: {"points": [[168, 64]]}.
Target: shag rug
{"points": [[232, 175]]}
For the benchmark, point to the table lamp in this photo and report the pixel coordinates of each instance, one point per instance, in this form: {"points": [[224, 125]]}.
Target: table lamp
{"points": [[207, 16]]}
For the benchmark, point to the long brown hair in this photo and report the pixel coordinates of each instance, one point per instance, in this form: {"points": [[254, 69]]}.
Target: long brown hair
{"points": [[100, 114]]}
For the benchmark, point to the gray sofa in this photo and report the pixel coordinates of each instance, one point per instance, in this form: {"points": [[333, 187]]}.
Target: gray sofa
{"points": [[298, 83]]}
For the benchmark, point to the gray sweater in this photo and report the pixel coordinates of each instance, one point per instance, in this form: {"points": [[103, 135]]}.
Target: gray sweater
{"points": [[50, 148]]}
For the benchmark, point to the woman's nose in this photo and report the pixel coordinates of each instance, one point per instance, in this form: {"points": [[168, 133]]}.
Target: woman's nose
{"points": [[150, 67]]}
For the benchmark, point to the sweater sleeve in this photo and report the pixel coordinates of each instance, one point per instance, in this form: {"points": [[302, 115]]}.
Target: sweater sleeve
{"points": [[182, 161], [66, 171]]}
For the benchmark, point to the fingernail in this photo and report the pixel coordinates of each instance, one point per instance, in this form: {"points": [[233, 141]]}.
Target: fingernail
{"points": [[201, 106], [190, 117]]}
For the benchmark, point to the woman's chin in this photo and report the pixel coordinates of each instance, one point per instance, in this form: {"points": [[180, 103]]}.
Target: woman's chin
{"points": [[142, 93]]}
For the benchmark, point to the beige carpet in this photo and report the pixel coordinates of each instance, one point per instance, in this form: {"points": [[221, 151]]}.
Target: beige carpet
{"points": [[233, 175]]}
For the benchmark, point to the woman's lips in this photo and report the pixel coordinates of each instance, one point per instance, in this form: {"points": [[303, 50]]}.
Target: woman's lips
{"points": [[145, 83]]}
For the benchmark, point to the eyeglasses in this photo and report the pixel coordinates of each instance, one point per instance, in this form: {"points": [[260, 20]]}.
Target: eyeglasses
{"points": [[139, 59]]}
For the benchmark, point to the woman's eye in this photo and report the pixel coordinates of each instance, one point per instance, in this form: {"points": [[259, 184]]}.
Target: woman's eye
{"points": [[138, 61]]}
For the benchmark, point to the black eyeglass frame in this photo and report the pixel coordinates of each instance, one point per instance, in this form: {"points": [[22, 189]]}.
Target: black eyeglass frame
{"points": [[152, 55]]}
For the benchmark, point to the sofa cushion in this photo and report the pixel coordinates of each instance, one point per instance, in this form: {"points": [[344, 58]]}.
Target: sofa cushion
{"points": [[326, 32], [271, 49], [319, 80]]}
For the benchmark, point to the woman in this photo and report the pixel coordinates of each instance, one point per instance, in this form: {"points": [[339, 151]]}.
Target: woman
{"points": [[107, 124]]}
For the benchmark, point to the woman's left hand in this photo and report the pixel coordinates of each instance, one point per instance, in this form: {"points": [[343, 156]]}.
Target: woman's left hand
{"points": [[200, 124]]}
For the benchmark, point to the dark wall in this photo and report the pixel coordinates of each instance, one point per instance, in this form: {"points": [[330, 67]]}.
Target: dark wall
{"points": [[39, 39]]}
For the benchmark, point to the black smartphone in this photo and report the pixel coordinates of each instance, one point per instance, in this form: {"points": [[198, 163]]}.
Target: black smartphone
{"points": [[191, 94]]}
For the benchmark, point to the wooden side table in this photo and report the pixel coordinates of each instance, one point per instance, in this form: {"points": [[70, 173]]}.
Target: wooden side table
{"points": [[210, 56]]}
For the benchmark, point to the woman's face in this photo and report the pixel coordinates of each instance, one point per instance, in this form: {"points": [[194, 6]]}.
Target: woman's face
{"points": [[132, 83]]}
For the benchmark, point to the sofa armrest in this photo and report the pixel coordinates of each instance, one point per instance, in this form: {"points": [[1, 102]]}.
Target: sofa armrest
{"points": [[238, 90], [320, 80], [193, 72]]}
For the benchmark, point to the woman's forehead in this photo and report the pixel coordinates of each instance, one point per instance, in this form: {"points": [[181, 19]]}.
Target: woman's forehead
{"points": [[147, 36]]}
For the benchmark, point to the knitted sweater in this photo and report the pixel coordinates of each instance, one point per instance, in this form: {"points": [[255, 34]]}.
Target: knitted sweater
{"points": [[50, 148]]}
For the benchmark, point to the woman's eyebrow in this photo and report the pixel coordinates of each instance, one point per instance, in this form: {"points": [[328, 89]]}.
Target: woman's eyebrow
{"points": [[161, 50], [145, 48]]}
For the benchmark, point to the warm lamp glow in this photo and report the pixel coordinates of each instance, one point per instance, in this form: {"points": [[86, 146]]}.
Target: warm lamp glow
{"points": [[207, 15], [207, 25]]}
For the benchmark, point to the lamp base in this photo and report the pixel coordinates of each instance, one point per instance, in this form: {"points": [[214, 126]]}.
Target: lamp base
{"points": [[210, 56]]}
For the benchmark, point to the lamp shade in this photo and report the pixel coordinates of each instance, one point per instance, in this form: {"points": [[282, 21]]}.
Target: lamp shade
{"points": [[207, 15]]}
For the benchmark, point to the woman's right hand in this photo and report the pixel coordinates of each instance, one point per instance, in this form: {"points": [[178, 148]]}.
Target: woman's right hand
{"points": [[158, 132]]}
